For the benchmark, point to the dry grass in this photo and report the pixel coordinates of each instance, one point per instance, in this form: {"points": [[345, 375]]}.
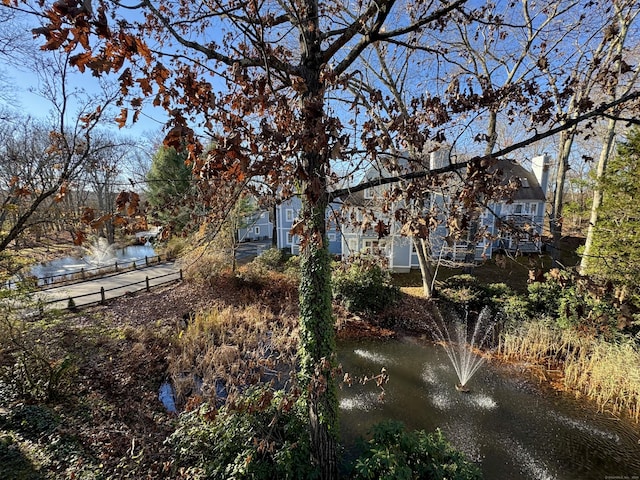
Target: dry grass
{"points": [[234, 347], [202, 265], [605, 372]]}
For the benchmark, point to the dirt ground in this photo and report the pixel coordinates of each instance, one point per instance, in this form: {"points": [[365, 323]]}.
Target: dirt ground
{"points": [[108, 421]]}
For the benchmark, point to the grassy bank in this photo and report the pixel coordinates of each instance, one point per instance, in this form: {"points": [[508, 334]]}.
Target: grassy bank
{"points": [[603, 371]]}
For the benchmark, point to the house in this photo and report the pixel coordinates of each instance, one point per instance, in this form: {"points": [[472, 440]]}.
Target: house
{"points": [[256, 226], [287, 214], [523, 214]]}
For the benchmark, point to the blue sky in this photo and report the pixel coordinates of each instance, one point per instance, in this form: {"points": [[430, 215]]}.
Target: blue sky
{"points": [[23, 86]]}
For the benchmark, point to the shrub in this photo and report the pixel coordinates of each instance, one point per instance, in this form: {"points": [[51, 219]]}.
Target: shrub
{"points": [[544, 298], [202, 265], [464, 291], [292, 267], [364, 286], [396, 454], [32, 367], [261, 436], [272, 258], [175, 247]]}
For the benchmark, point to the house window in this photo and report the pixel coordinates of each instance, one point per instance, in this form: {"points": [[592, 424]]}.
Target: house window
{"points": [[292, 239], [256, 230], [372, 246], [353, 245], [368, 193], [517, 209], [533, 208], [332, 237], [289, 215]]}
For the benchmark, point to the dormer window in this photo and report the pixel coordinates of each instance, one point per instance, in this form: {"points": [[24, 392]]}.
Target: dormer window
{"points": [[524, 182]]}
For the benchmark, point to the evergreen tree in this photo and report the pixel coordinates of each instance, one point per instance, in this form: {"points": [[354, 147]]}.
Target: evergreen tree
{"points": [[168, 181], [615, 255]]}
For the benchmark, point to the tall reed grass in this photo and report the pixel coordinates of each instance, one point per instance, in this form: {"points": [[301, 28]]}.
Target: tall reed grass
{"points": [[605, 371], [232, 347]]}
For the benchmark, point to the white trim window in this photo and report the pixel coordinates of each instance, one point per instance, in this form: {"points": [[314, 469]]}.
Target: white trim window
{"points": [[256, 230], [332, 237], [352, 243], [292, 239], [368, 193], [373, 247], [290, 215]]}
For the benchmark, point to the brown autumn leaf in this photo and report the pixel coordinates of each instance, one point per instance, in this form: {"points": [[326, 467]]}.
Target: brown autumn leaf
{"points": [[88, 215], [121, 201], [121, 119], [80, 60], [176, 137], [119, 221], [134, 203], [143, 50], [382, 229], [55, 39], [79, 238], [99, 222], [21, 192], [62, 192]]}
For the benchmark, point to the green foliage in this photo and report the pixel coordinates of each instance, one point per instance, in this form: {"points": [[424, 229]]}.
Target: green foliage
{"points": [[292, 267], [263, 436], [615, 253], [273, 259], [167, 182], [175, 247], [364, 286], [463, 290], [31, 366], [395, 454], [543, 298], [578, 308], [32, 421], [516, 308]]}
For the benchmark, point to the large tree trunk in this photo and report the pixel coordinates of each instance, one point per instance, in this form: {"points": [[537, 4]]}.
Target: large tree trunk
{"points": [[607, 145], [426, 267], [317, 335]]}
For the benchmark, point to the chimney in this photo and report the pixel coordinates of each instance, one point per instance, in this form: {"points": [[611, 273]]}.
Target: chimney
{"points": [[540, 166], [440, 158]]}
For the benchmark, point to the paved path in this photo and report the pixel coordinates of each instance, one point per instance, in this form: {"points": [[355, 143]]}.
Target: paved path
{"points": [[114, 286]]}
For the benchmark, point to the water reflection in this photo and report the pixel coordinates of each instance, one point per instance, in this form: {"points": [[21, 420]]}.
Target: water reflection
{"points": [[510, 426], [66, 267]]}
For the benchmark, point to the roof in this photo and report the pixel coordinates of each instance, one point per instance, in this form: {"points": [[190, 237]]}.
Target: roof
{"points": [[530, 187]]}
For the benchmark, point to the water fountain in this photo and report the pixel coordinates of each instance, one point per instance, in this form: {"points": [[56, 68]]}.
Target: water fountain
{"points": [[100, 252], [461, 342]]}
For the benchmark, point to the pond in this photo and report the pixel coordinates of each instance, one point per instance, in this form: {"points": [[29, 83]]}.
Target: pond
{"points": [[512, 427], [97, 257]]}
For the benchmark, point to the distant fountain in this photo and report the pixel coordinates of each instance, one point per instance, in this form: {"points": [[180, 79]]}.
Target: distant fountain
{"points": [[99, 252], [461, 342]]}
